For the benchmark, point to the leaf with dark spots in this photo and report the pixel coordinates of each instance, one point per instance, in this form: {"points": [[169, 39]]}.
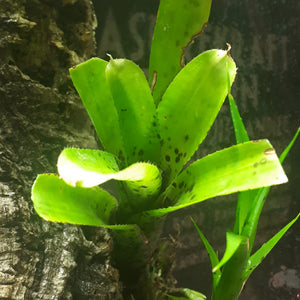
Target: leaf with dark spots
{"points": [[180, 185], [189, 121], [222, 173], [167, 157]]}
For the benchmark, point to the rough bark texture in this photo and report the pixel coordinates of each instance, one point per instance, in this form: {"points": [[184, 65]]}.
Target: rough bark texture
{"points": [[40, 114]]}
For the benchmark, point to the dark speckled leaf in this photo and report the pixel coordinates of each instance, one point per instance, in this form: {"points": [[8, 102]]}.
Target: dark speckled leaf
{"points": [[190, 106]]}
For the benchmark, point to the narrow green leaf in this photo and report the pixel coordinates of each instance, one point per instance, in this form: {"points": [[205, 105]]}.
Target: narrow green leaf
{"points": [[250, 225], [136, 110], [258, 201], [241, 134], [244, 205], [176, 27], [88, 168], [245, 199], [288, 148], [190, 106], [90, 82], [241, 167], [187, 294], [233, 242], [263, 251], [56, 201], [214, 260], [231, 281]]}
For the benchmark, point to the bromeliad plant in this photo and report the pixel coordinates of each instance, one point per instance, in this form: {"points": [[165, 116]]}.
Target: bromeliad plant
{"points": [[149, 132]]}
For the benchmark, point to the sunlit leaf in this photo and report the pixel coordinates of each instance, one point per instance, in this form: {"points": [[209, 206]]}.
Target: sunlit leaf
{"points": [[241, 167], [190, 106], [136, 110], [56, 201], [88, 168], [259, 200], [176, 27], [90, 82]]}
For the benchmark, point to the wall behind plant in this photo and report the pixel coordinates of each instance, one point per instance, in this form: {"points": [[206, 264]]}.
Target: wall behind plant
{"points": [[263, 35]]}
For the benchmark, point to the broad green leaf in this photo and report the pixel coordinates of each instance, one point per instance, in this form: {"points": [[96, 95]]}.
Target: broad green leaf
{"points": [[258, 201], [56, 201], [241, 167], [231, 281], [190, 106], [89, 80], [214, 260], [88, 168], [263, 251], [136, 110], [176, 27], [85, 167], [233, 242]]}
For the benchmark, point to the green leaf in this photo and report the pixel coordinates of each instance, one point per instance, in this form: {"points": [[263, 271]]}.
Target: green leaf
{"points": [[88, 168], [85, 167], [241, 167], [190, 106], [176, 27], [263, 251], [56, 201], [231, 281], [259, 200], [244, 205], [214, 260], [288, 148], [90, 82], [241, 134], [233, 242], [188, 294], [245, 199], [136, 110]]}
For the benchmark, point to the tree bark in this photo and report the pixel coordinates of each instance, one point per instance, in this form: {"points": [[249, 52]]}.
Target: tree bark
{"points": [[40, 114]]}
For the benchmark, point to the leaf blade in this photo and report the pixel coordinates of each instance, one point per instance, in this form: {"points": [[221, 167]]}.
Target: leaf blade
{"points": [[176, 27], [233, 242], [90, 82], [89, 168], [245, 166], [135, 108], [194, 99], [263, 251], [214, 260], [56, 201]]}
